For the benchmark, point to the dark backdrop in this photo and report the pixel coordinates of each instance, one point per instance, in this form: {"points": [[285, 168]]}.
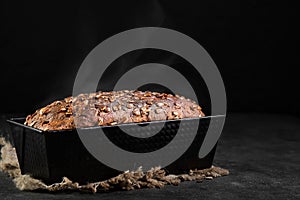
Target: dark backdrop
{"points": [[43, 43]]}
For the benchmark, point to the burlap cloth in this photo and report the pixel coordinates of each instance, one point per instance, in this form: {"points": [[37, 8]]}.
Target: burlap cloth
{"points": [[129, 180]]}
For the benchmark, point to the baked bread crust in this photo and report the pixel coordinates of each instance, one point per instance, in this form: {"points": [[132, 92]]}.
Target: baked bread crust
{"points": [[111, 108]]}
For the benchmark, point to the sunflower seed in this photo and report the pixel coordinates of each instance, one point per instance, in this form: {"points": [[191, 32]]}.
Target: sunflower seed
{"points": [[130, 105], [63, 109], [175, 113], [160, 104], [136, 111], [147, 94], [149, 102]]}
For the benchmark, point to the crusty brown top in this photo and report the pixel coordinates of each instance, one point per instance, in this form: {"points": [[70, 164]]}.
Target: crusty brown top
{"points": [[110, 108]]}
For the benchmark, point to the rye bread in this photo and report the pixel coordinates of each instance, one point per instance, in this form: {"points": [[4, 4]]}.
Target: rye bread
{"points": [[111, 108]]}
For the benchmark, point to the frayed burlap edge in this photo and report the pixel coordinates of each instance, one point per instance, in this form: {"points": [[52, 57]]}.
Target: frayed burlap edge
{"points": [[129, 180]]}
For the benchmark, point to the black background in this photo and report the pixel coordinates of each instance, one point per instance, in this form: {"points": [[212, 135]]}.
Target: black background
{"points": [[253, 43]]}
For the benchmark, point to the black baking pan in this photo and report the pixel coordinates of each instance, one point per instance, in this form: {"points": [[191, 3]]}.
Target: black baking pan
{"points": [[51, 155]]}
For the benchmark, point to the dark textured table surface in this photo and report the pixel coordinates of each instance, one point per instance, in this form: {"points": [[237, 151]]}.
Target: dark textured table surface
{"points": [[262, 152]]}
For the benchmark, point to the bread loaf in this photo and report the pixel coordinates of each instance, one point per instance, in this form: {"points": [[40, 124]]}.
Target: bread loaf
{"points": [[111, 108]]}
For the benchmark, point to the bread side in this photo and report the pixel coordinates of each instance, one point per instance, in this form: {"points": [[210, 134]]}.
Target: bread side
{"points": [[111, 108]]}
